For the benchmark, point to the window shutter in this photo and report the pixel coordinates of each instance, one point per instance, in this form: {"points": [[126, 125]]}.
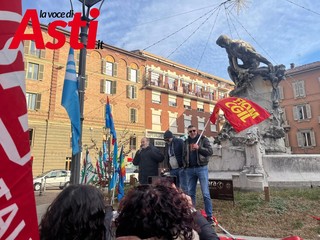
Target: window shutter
{"points": [[295, 113], [300, 139], [313, 139], [294, 87], [41, 68], [114, 87], [302, 92], [128, 91], [134, 88], [281, 95], [138, 75], [102, 86], [115, 69], [26, 46], [128, 73], [42, 53], [38, 103], [103, 66], [308, 108]]}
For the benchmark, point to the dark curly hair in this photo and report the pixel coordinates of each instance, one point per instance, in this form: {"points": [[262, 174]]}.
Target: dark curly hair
{"points": [[78, 212], [158, 210]]}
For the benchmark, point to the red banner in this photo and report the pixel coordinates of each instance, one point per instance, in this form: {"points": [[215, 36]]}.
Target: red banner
{"points": [[18, 218], [240, 113]]}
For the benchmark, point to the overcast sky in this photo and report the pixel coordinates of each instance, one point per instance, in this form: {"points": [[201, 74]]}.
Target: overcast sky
{"points": [[185, 31]]}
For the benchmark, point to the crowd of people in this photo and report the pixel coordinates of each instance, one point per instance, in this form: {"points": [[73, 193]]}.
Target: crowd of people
{"points": [[161, 209]]}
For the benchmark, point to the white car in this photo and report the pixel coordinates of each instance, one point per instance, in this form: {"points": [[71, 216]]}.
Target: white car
{"points": [[131, 171], [54, 178]]}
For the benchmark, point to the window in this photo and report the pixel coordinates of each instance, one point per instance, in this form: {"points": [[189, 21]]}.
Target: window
{"points": [[156, 97], [280, 92], [156, 120], [298, 89], [133, 143], [221, 95], [30, 49], [173, 127], [33, 101], [133, 74], [109, 68], [131, 92], [186, 121], [31, 132], [171, 82], [306, 138], [213, 127], [186, 103], [201, 123], [34, 71], [200, 107], [108, 87], [155, 78], [133, 115], [172, 100], [302, 112], [198, 90]]}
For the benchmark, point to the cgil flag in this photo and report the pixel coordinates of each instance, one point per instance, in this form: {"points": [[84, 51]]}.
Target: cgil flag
{"points": [[17, 201], [70, 101], [241, 113]]}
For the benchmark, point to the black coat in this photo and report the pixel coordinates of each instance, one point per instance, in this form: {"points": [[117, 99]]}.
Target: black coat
{"points": [[148, 161]]}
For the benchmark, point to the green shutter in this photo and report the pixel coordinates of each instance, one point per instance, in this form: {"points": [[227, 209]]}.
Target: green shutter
{"points": [[128, 73], [40, 75], [103, 66], [114, 87], [102, 85], [38, 104], [26, 46], [115, 69]]}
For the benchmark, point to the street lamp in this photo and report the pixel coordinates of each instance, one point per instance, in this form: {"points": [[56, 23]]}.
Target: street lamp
{"points": [[75, 163]]}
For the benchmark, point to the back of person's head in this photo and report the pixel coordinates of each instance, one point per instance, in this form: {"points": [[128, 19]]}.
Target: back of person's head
{"points": [[158, 211], [78, 212]]}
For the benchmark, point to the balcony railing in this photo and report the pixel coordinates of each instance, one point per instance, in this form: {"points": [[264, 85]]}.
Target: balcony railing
{"points": [[181, 90]]}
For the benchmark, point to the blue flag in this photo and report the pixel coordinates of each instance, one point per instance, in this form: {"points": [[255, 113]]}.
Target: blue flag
{"points": [[70, 101], [109, 122]]}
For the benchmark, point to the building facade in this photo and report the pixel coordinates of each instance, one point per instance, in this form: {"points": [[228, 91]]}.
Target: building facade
{"points": [[147, 94], [300, 101], [110, 71], [178, 96]]}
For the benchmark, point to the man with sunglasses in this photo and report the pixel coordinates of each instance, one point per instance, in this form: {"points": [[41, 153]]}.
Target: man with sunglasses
{"points": [[173, 157], [196, 157]]}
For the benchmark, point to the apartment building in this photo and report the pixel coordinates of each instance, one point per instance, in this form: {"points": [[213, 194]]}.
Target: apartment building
{"points": [[300, 101], [110, 72], [148, 95], [178, 96]]}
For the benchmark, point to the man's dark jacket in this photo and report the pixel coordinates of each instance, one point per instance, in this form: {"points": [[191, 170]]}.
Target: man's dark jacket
{"points": [[178, 152], [148, 161]]}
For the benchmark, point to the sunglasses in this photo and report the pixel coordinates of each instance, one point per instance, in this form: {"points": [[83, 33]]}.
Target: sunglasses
{"points": [[192, 131]]}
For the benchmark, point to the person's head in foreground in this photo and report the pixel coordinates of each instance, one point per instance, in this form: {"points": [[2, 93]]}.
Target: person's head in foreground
{"points": [[78, 212], [157, 212]]}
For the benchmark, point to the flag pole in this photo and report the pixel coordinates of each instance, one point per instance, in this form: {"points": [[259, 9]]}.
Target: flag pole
{"points": [[203, 131]]}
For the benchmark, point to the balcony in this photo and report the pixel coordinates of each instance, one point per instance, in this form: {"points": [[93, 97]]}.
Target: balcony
{"points": [[180, 91]]}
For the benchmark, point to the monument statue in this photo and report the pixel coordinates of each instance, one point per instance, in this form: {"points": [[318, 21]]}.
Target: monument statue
{"points": [[244, 65], [256, 79]]}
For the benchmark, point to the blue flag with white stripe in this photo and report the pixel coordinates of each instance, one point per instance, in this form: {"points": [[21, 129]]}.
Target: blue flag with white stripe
{"points": [[70, 101]]}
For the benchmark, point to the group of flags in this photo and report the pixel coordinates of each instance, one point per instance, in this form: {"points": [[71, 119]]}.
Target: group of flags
{"points": [[70, 101]]}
